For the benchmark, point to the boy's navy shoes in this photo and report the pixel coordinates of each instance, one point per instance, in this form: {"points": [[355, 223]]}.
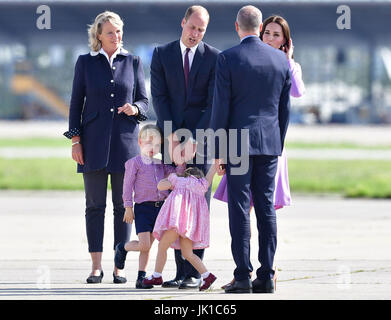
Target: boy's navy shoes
{"points": [[120, 256], [141, 285]]}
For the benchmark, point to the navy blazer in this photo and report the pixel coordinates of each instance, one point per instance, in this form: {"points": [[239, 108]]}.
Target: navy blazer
{"points": [[252, 92], [189, 109], [108, 139]]}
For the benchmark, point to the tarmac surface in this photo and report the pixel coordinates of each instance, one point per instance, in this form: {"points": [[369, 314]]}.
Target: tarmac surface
{"points": [[329, 248]]}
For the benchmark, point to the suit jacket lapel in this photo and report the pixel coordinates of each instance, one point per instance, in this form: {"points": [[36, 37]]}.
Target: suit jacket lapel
{"points": [[197, 61], [177, 66], [105, 64]]}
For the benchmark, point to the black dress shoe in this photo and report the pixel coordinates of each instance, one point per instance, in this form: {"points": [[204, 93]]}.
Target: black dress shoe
{"points": [[239, 286], [190, 283], [141, 285], [118, 279], [95, 279], [263, 286], [120, 256], [175, 283]]}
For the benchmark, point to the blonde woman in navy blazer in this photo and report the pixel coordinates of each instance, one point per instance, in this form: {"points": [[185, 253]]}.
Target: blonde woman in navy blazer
{"points": [[108, 102]]}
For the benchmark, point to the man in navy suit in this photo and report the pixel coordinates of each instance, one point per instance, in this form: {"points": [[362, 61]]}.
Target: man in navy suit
{"points": [[182, 86], [251, 99]]}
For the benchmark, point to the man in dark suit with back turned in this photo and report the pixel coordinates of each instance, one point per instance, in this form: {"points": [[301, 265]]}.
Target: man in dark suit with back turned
{"points": [[182, 85], [251, 96]]}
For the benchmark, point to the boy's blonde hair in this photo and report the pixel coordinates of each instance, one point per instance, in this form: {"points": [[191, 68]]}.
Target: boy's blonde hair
{"points": [[151, 128]]}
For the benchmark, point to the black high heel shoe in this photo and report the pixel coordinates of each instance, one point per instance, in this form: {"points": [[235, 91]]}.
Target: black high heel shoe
{"points": [[95, 279]]}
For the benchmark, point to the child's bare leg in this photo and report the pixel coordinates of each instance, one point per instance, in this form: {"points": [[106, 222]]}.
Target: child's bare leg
{"points": [[169, 237], [187, 253], [145, 242], [132, 245]]}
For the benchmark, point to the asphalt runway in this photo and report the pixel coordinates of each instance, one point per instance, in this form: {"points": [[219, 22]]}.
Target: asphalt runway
{"points": [[328, 248]]}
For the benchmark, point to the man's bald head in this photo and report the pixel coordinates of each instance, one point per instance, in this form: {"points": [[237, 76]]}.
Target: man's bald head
{"points": [[249, 19], [198, 9]]}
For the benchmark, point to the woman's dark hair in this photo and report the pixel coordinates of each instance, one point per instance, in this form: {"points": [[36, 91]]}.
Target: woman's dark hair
{"points": [[279, 20]]}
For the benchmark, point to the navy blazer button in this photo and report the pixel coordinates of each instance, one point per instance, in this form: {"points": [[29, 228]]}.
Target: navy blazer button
{"points": [[112, 109], [112, 81], [113, 68], [112, 95]]}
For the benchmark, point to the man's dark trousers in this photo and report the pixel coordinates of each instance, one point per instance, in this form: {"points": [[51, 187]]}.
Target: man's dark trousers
{"points": [[260, 180]]}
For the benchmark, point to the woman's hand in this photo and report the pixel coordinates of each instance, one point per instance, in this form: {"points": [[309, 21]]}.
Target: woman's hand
{"points": [[219, 167], [129, 215], [289, 51], [128, 109], [77, 152]]}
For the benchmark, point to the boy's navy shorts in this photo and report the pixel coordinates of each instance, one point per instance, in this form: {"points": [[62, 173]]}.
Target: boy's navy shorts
{"points": [[145, 214]]}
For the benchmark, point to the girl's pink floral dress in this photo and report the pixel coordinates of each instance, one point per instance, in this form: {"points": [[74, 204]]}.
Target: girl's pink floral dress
{"points": [[185, 210]]}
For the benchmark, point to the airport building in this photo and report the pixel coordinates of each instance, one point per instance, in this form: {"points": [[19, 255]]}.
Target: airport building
{"points": [[344, 51]]}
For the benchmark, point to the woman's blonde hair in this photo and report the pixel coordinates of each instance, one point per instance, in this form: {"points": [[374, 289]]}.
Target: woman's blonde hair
{"points": [[95, 29]]}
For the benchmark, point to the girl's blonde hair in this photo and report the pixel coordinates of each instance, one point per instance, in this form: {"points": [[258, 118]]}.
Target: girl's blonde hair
{"points": [[95, 29], [193, 171]]}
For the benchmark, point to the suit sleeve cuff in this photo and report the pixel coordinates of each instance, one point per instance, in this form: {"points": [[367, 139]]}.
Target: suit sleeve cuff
{"points": [[72, 132], [140, 116]]}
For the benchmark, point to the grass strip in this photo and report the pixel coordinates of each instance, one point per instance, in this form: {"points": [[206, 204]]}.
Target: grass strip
{"points": [[351, 178], [63, 142]]}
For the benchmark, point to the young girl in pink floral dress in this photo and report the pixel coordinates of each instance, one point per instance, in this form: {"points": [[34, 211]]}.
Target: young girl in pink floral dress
{"points": [[183, 222]]}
